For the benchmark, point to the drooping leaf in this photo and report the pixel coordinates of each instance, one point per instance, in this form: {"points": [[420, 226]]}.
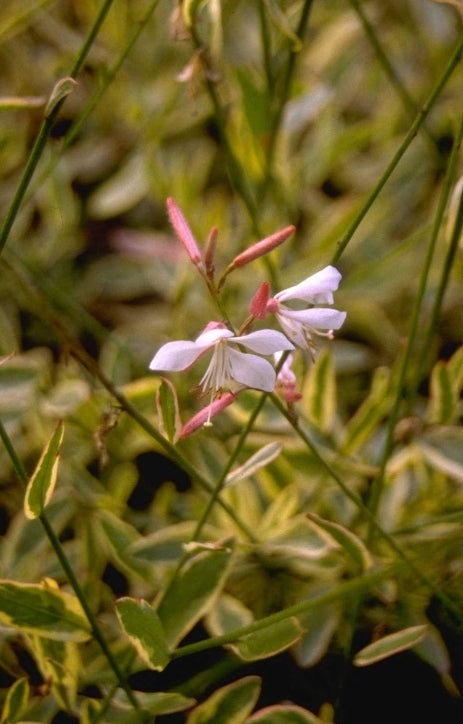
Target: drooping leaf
{"points": [[42, 483], [193, 591], [16, 702], [260, 459], [390, 645], [62, 88], [230, 704], [42, 610], [142, 625], [168, 410], [349, 542], [283, 714]]}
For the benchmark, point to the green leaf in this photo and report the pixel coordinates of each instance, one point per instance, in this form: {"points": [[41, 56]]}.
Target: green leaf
{"points": [[370, 413], [455, 369], [281, 22], [443, 399], [283, 714], [42, 610], [62, 88], [270, 641], [319, 392], [16, 702], [390, 645], [168, 410], [349, 542], [142, 625], [230, 704], [42, 483], [260, 459], [157, 704], [59, 663], [193, 591], [255, 104]]}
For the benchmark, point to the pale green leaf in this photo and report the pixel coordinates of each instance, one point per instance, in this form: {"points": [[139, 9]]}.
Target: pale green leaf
{"points": [[168, 410], [190, 8], [59, 663], [42, 610], [370, 413], [260, 459], [16, 702], [142, 625], [193, 591], [349, 542], [283, 714], [42, 483], [390, 645], [230, 704], [319, 392], [270, 641], [443, 400]]}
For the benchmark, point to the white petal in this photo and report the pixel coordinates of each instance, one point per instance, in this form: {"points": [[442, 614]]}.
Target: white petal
{"points": [[251, 370], [175, 356], [294, 329], [210, 336], [316, 289], [264, 341], [318, 317]]}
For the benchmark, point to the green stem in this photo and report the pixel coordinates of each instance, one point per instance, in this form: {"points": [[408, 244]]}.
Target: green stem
{"points": [[344, 590], [404, 365], [47, 124], [367, 513], [412, 132], [67, 568]]}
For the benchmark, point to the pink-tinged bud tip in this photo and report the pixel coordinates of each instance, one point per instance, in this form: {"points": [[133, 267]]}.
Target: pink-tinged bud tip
{"points": [[203, 417], [258, 305], [183, 231], [263, 247]]}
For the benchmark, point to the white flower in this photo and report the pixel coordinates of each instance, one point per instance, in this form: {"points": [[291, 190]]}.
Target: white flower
{"points": [[227, 363], [300, 324]]}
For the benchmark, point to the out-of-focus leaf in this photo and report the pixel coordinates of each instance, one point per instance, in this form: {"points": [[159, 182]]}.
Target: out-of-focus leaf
{"points": [[156, 704], [442, 462], [270, 641], [230, 704], [320, 626], [59, 663], [283, 714], [166, 544], [121, 536], [281, 22], [369, 414], [455, 369], [16, 702], [260, 459], [42, 483], [319, 392], [255, 104], [190, 9], [142, 625], [168, 410], [349, 542], [44, 611], [443, 400], [193, 591], [11, 103], [390, 645]]}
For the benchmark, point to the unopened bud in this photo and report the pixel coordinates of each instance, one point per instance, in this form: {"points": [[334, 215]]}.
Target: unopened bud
{"points": [[258, 306], [183, 232], [203, 417], [263, 247]]}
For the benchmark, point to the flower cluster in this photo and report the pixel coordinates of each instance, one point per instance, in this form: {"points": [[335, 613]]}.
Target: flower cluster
{"points": [[231, 369]]}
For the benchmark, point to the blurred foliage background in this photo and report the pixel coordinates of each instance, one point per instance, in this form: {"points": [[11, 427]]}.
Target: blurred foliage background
{"points": [[249, 127]]}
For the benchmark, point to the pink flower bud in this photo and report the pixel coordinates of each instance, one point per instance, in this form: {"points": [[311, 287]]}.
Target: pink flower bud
{"points": [[258, 306], [203, 417], [183, 232], [263, 247]]}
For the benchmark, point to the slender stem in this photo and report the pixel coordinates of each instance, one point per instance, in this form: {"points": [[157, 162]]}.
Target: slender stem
{"points": [[407, 100], [47, 124], [370, 517], [404, 365], [67, 568], [343, 590], [412, 132]]}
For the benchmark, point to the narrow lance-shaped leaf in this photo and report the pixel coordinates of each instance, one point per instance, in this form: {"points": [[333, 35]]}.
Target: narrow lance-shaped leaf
{"points": [[443, 398], [390, 645], [230, 704], [168, 410], [142, 625], [42, 610], [42, 483], [260, 459], [62, 88], [348, 541], [16, 702]]}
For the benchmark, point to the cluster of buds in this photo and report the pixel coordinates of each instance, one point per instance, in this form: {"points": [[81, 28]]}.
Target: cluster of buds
{"points": [[230, 369]]}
